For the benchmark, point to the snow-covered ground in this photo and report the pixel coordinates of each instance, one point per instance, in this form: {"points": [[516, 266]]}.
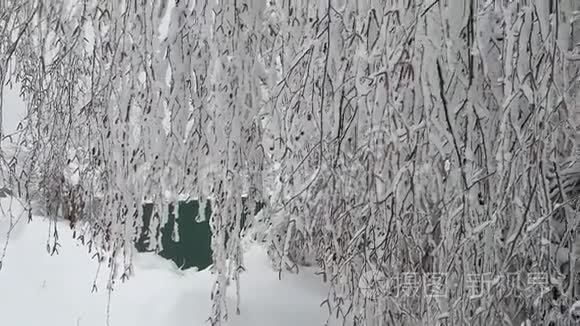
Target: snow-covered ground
{"points": [[39, 289]]}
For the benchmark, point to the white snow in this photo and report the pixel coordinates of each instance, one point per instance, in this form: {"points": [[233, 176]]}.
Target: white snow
{"points": [[13, 109], [39, 289]]}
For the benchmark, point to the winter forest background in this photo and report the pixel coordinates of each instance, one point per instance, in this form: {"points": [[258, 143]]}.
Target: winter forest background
{"points": [[435, 139]]}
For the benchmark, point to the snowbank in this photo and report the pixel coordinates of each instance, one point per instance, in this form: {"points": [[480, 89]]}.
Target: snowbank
{"points": [[37, 289]]}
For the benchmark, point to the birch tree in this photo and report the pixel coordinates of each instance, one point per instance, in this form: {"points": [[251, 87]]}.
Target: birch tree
{"points": [[396, 144]]}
